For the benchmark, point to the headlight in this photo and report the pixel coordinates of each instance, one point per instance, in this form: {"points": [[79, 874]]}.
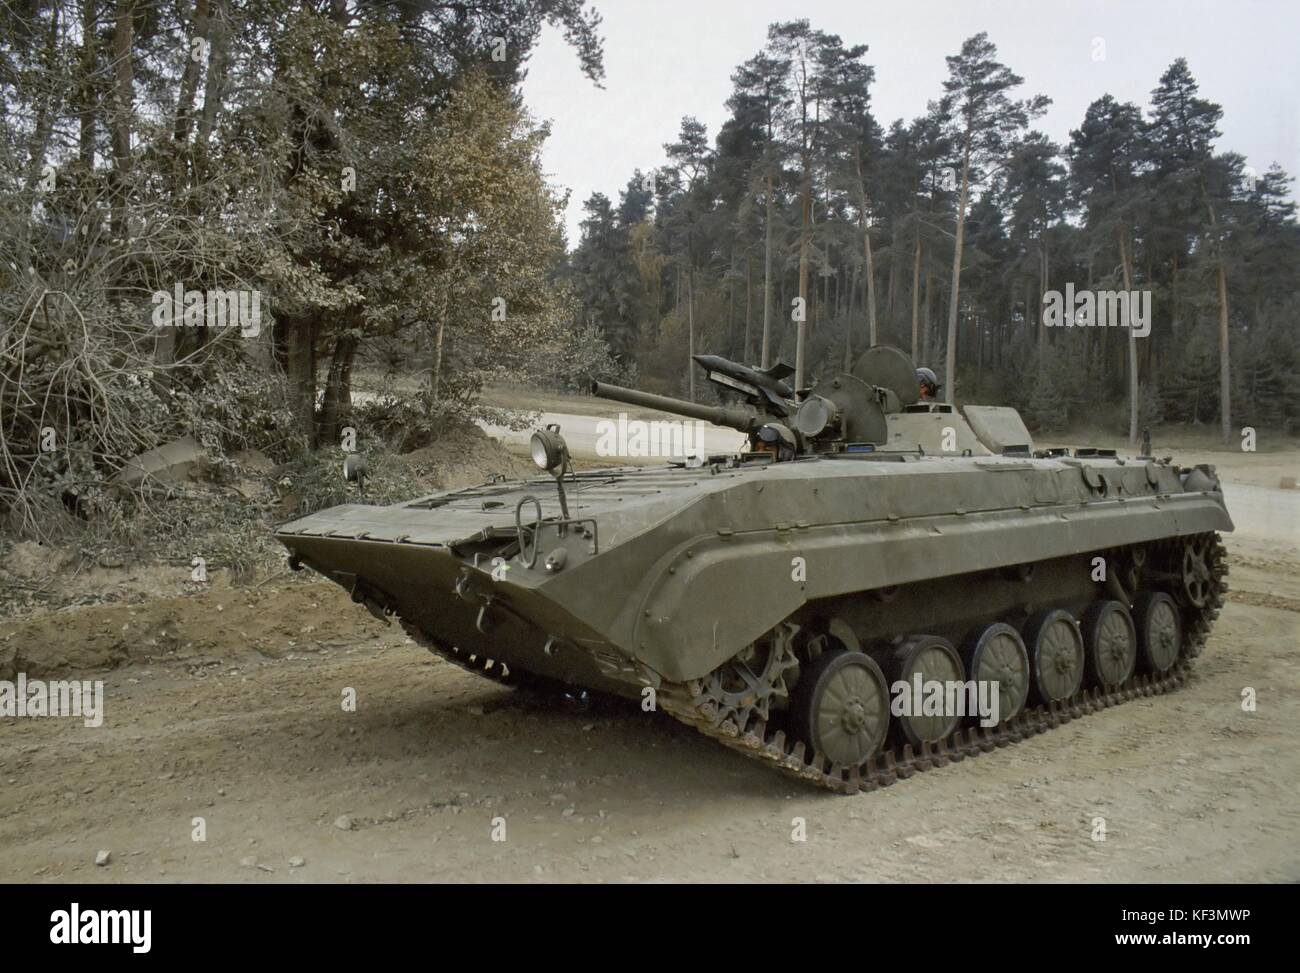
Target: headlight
{"points": [[547, 449]]}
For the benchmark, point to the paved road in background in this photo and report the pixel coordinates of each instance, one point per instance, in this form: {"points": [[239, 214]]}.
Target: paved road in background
{"points": [[582, 433], [1267, 513]]}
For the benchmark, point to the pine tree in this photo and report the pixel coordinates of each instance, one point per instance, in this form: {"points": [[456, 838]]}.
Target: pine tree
{"points": [[984, 122]]}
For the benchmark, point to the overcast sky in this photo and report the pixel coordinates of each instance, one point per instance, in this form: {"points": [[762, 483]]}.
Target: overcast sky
{"points": [[669, 58]]}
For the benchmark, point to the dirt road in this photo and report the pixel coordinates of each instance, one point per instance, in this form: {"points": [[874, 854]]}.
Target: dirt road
{"points": [[226, 705]]}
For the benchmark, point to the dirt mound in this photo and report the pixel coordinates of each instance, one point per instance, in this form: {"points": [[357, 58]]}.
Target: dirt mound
{"points": [[466, 456], [208, 627]]}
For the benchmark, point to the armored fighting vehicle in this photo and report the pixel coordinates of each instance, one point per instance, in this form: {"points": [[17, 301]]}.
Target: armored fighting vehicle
{"points": [[798, 600]]}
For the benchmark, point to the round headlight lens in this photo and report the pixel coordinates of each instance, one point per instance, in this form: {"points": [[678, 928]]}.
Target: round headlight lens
{"points": [[544, 452]]}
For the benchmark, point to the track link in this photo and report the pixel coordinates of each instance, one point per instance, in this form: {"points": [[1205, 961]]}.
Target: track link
{"points": [[689, 704]]}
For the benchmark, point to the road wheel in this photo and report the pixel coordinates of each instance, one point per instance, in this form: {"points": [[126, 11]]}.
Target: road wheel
{"points": [[1110, 639], [840, 707], [1159, 631], [934, 660], [1055, 655], [996, 654]]}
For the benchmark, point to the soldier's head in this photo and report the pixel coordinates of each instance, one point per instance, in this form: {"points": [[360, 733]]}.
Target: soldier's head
{"points": [[929, 383], [774, 439]]}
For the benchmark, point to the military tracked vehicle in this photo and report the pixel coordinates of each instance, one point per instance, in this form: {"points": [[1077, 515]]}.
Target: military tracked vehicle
{"points": [[783, 599]]}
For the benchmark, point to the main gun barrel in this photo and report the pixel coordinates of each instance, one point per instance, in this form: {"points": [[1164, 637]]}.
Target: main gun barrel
{"points": [[743, 419]]}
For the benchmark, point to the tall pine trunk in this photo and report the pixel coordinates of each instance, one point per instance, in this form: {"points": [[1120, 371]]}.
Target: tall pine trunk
{"points": [[86, 136], [749, 303], [439, 337], [950, 366], [1042, 323], [926, 318], [873, 332], [123, 103], [731, 303], [337, 399], [1225, 384], [870, 270], [1225, 364], [189, 81], [916, 295], [805, 243], [214, 85], [1126, 260], [690, 330], [45, 115], [767, 280], [300, 343], [848, 320]]}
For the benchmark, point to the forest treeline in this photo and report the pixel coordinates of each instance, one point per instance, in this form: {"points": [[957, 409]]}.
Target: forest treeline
{"points": [[363, 177], [942, 235], [362, 172]]}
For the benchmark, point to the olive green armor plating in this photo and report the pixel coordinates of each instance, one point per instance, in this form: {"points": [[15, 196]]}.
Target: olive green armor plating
{"points": [[773, 604]]}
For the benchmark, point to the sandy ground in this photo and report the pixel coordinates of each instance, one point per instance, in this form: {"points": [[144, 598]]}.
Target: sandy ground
{"points": [[224, 703]]}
